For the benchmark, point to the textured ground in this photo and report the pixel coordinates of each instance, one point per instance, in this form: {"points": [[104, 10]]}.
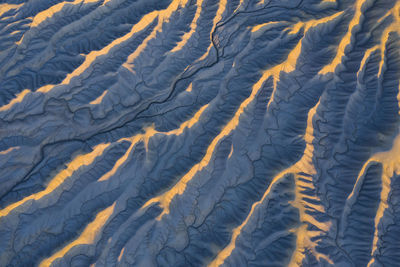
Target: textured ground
{"points": [[199, 133]]}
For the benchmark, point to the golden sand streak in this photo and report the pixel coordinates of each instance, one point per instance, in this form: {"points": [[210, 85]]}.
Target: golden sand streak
{"points": [[312, 23], [217, 18], [105, 2], [384, 39], [46, 88], [75, 164], [290, 64], [398, 96], [366, 57], [231, 152], [48, 13], [304, 236], [15, 32], [193, 27], [120, 254], [357, 185], [346, 39], [163, 16], [87, 237], [240, 4], [258, 27], [393, 27], [189, 123], [145, 137], [99, 99], [226, 252], [142, 24], [305, 165], [6, 7], [18, 98], [190, 88], [165, 199], [121, 160], [390, 161], [4, 152]]}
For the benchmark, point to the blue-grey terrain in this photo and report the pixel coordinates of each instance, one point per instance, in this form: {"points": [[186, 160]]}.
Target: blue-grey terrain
{"points": [[199, 133]]}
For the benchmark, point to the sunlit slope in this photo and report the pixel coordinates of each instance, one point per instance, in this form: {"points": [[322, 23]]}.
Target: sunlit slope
{"points": [[200, 133]]}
